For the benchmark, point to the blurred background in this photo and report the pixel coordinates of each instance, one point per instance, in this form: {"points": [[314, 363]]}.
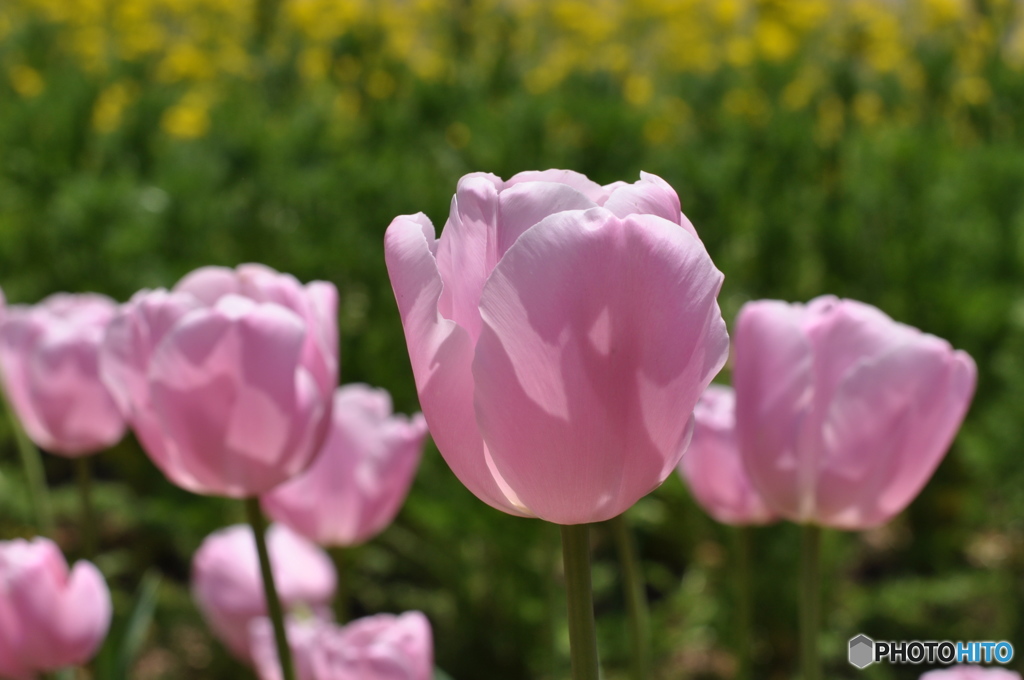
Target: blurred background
{"points": [[868, 148]]}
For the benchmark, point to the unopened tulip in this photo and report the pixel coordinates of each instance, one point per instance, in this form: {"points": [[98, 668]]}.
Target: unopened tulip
{"points": [[361, 476], [971, 673], [50, 618], [712, 466], [843, 414], [381, 647], [228, 589], [50, 368], [556, 331], [227, 379]]}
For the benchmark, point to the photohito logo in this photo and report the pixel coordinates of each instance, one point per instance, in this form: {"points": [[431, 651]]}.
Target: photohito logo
{"points": [[864, 651]]}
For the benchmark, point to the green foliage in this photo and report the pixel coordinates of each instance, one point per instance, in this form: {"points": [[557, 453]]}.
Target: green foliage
{"points": [[923, 217]]}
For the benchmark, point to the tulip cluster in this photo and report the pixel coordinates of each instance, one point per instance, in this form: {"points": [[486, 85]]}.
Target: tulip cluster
{"points": [[562, 336]]}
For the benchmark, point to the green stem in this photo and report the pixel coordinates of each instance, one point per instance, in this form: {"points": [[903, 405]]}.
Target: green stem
{"points": [[35, 475], [344, 592], [810, 596], [259, 529], [636, 597], [580, 597], [744, 601], [83, 474]]}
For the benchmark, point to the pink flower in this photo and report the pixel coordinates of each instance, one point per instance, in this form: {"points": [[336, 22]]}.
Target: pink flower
{"points": [[50, 368], [556, 331], [971, 673], [49, 618], [228, 588], [361, 476], [843, 414], [227, 379], [712, 466], [382, 647]]}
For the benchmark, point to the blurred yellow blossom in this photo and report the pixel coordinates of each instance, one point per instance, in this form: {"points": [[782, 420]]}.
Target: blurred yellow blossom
{"points": [[25, 80], [867, 107], [108, 111], [189, 118], [638, 89]]}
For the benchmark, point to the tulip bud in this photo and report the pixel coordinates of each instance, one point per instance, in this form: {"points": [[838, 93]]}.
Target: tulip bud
{"points": [[49, 362], [227, 379], [381, 647], [360, 478], [228, 589], [842, 413], [50, 618], [556, 331]]}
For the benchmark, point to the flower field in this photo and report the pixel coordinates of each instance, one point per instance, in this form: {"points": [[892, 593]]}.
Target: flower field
{"points": [[868, 149]]}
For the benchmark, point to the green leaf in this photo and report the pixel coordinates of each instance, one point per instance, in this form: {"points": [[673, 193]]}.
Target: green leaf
{"points": [[138, 624]]}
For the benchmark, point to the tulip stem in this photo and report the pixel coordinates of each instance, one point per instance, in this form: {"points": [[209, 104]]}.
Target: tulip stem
{"points": [[343, 593], [636, 597], [259, 530], [35, 475], [83, 474], [744, 601], [810, 596], [580, 597]]}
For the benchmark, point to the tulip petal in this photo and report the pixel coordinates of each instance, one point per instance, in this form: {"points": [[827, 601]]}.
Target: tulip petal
{"points": [[467, 250], [527, 203], [130, 340], [74, 406], [579, 410], [209, 284], [441, 354], [578, 181], [223, 384], [651, 195], [773, 376], [888, 427], [85, 613]]}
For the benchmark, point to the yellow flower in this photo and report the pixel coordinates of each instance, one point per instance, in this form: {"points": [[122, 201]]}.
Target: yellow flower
{"points": [[25, 80], [638, 89], [189, 118], [774, 40], [972, 90], [867, 107], [108, 111]]}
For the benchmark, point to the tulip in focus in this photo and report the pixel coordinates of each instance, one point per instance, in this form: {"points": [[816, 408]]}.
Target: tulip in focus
{"points": [[228, 589], [50, 618], [362, 475], [971, 673], [381, 647], [227, 379], [556, 330], [712, 467], [49, 362], [843, 414]]}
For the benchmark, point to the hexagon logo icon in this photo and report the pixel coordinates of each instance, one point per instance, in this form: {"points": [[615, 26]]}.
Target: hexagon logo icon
{"points": [[862, 651]]}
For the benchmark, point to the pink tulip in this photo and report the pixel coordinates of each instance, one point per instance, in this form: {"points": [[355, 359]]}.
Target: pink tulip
{"points": [[228, 588], [556, 330], [227, 379], [971, 673], [382, 647], [843, 413], [712, 466], [49, 618], [50, 369], [359, 480]]}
